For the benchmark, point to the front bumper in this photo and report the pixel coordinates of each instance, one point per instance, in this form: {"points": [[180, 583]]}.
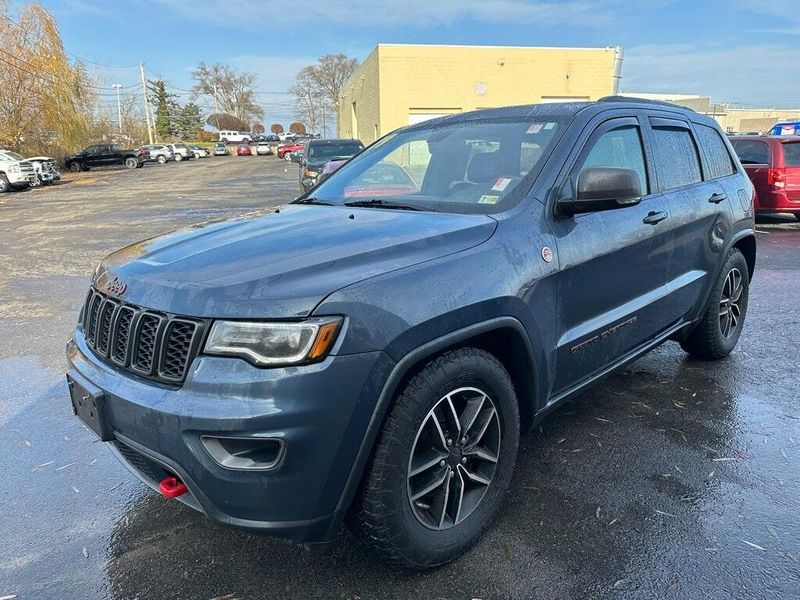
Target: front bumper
{"points": [[320, 411], [21, 178]]}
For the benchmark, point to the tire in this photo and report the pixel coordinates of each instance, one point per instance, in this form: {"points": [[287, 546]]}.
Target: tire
{"points": [[716, 334], [178, 157], [131, 163], [4, 185], [162, 159], [224, 141], [420, 535], [75, 167]]}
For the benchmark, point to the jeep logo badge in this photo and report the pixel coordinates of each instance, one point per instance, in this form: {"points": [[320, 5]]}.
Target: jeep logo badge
{"points": [[115, 287], [547, 254]]}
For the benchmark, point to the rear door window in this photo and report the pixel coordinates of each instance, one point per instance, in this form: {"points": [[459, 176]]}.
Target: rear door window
{"points": [[752, 152], [791, 154], [678, 162], [720, 162]]}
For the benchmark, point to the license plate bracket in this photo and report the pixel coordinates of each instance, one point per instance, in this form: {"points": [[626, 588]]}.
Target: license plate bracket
{"points": [[88, 404]]}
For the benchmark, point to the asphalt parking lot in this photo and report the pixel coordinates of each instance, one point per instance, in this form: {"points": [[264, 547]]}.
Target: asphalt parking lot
{"points": [[674, 478]]}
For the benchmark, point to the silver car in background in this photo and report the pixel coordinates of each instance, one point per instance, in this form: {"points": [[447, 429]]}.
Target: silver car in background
{"points": [[160, 152]]}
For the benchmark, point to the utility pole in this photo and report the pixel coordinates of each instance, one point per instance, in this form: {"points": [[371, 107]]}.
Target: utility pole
{"points": [[146, 106], [117, 86], [216, 104]]}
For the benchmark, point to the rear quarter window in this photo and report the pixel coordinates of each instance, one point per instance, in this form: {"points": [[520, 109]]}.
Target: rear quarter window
{"points": [[791, 154], [720, 162], [677, 160]]}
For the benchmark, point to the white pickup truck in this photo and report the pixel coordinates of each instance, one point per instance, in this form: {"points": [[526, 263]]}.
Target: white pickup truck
{"points": [[16, 173]]}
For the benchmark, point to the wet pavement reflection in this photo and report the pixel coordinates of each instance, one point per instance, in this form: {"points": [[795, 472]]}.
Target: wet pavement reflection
{"points": [[673, 478]]}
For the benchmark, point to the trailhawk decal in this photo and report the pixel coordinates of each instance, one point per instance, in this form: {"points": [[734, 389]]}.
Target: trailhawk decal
{"points": [[602, 335]]}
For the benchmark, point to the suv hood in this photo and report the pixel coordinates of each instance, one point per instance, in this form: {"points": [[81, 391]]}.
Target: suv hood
{"points": [[280, 264]]}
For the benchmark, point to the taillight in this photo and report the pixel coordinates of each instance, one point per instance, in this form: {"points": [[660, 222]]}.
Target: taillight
{"points": [[777, 178]]}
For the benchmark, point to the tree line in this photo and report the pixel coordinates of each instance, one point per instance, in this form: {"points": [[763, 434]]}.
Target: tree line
{"points": [[52, 103]]}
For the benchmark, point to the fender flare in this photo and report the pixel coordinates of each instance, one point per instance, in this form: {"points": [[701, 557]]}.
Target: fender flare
{"points": [[399, 371]]}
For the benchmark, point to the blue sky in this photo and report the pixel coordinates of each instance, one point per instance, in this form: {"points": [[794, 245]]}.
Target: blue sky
{"points": [[733, 50]]}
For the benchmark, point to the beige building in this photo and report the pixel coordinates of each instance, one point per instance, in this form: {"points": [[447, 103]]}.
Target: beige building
{"points": [[402, 84], [730, 117]]}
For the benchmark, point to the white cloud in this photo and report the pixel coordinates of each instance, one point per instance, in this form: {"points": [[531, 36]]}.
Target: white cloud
{"points": [[757, 74]]}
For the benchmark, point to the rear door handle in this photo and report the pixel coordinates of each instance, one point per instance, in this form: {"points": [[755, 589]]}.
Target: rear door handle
{"points": [[655, 217], [717, 198]]}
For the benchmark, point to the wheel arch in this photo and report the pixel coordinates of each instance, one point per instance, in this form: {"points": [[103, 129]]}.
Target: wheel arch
{"points": [[503, 337], [746, 244]]}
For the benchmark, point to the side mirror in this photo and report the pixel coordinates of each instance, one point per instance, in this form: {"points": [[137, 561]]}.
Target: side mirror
{"points": [[602, 188]]}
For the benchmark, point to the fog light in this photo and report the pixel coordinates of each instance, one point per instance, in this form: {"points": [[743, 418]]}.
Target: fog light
{"points": [[244, 453]]}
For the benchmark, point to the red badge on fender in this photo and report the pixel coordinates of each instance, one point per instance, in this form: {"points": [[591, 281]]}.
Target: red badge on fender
{"points": [[547, 254]]}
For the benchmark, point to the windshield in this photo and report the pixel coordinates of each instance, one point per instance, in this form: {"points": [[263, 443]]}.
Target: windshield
{"points": [[480, 166], [327, 151], [12, 155]]}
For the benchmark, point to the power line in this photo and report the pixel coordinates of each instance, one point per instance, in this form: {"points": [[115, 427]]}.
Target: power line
{"points": [[80, 58]]}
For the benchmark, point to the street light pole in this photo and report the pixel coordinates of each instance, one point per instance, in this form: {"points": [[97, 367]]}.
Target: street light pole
{"points": [[117, 86]]}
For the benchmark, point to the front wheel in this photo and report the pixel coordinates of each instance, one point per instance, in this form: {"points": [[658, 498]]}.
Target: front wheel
{"points": [[4, 185], [717, 333], [443, 461], [75, 167], [131, 163], [178, 157]]}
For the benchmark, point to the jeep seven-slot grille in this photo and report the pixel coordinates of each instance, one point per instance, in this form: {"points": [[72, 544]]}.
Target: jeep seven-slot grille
{"points": [[154, 345]]}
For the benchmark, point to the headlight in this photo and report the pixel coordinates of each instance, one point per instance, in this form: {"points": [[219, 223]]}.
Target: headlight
{"points": [[276, 343], [310, 173], [13, 169]]}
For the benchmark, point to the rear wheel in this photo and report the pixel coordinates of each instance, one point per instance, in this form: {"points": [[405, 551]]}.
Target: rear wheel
{"points": [[178, 157], [443, 462], [716, 334], [162, 159], [75, 167], [131, 163]]}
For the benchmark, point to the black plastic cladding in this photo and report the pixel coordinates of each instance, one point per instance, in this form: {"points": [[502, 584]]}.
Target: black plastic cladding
{"points": [[152, 345]]}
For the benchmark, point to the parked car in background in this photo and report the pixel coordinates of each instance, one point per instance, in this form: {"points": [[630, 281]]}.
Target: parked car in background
{"points": [[221, 149], [181, 152], [46, 169], [263, 148], [786, 128], [374, 359], [773, 165], [318, 153], [243, 150], [16, 173], [234, 136], [160, 152], [290, 147], [104, 155], [199, 151]]}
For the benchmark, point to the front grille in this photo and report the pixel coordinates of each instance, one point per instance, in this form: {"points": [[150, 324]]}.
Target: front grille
{"points": [[151, 344]]}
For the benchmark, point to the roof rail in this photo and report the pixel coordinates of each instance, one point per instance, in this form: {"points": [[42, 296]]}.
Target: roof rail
{"points": [[634, 100]]}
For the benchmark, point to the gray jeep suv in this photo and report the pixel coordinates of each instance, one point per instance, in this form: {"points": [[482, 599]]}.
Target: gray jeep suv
{"points": [[370, 354]]}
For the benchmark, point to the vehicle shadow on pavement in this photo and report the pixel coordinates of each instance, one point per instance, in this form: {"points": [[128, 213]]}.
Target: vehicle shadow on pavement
{"points": [[642, 485]]}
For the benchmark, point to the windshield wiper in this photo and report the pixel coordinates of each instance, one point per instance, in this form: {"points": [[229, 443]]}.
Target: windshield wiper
{"points": [[378, 203], [312, 200]]}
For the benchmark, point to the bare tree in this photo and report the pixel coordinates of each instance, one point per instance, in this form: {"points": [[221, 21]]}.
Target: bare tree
{"points": [[317, 87], [229, 90]]}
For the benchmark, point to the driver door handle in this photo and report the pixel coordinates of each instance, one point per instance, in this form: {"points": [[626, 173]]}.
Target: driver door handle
{"points": [[655, 217], [717, 198]]}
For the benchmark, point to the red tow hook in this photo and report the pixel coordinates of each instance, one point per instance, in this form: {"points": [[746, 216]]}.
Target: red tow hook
{"points": [[172, 487]]}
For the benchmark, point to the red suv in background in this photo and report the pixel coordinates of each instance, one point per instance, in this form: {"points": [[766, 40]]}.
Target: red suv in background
{"points": [[773, 165]]}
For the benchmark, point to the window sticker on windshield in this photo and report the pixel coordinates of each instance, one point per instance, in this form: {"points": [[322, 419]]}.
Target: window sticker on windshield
{"points": [[486, 199], [535, 128], [549, 125], [501, 184]]}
